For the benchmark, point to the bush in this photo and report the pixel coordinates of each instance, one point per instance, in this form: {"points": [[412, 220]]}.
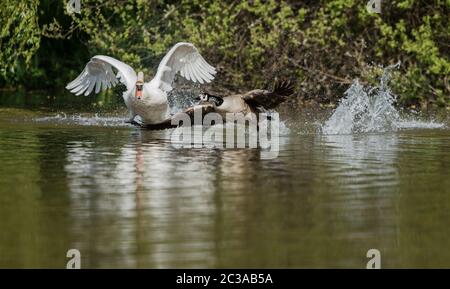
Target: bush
{"points": [[322, 45]]}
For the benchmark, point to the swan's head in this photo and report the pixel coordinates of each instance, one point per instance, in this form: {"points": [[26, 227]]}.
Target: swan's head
{"points": [[139, 84]]}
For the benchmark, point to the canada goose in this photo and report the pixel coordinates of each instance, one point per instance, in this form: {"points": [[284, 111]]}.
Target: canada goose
{"points": [[146, 99], [254, 101]]}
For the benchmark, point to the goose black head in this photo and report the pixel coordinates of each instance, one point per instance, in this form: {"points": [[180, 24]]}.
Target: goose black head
{"points": [[202, 97], [206, 97]]}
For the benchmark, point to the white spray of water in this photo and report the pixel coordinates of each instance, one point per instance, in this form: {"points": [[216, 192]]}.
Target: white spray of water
{"points": [[364, 110], [77, 119], [178, 101], [371, 109]]}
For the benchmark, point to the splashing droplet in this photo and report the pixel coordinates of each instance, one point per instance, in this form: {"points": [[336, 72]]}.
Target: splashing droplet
{"points": [[365, 109]]}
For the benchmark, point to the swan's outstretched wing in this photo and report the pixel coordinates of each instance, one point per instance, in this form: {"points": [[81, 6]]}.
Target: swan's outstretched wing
{"points": [[98, 75], [183, 57]]}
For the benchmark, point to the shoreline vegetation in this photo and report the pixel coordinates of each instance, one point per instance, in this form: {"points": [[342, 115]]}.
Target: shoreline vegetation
{"points": [[321, 45]]}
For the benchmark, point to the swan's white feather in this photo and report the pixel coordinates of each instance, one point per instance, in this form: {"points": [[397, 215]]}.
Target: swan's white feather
{"points": [[98, 72], [98, 75], [184, 58]]}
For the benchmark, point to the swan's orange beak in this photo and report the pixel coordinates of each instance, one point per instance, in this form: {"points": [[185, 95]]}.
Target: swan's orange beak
{"points": [[139, 87]]}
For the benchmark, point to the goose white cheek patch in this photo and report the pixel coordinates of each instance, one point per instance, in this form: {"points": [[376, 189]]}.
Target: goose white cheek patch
{"points": [[238, 131]]}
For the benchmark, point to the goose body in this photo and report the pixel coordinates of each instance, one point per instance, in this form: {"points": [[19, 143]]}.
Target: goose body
{"points": [[232, 104], [146, 99], [253, 102]]}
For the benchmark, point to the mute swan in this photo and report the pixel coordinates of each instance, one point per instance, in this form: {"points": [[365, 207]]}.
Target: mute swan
{"points": [[146, 99]]}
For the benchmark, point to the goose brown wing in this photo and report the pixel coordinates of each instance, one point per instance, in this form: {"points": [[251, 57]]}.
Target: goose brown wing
{"points": [[269, 99]]}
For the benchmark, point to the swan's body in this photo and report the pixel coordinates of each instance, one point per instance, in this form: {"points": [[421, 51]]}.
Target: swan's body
{"points": [[152, 107], [146, 99]]}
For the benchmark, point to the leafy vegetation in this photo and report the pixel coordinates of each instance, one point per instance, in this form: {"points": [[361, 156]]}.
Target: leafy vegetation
{"points": [[19, 36], [321, 44]]}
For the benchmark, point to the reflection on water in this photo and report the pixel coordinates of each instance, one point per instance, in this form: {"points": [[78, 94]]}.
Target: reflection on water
{"points": [[365, 182], [128, 198], [170, 194]]}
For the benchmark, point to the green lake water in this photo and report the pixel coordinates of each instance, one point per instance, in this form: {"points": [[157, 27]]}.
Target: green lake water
{"points": [[127, 198]]}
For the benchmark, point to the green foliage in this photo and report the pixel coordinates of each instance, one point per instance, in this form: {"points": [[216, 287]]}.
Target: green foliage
{"points": [[322, 44], [418, 34], [19, 36], [347, 38]]}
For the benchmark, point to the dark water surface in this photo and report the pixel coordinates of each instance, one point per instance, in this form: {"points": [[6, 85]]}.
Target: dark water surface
{"points": [[129, 198]]}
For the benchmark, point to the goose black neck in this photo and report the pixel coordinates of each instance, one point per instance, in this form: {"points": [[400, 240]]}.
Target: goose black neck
{"points": [[216, 99]]}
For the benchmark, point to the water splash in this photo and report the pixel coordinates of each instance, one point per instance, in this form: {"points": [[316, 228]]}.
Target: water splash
{"points": [[365, 109], [180, 100], [371, 109], [414, 123], [84, 120]]}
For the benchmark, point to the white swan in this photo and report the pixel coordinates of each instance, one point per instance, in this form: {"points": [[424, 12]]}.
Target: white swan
{"points": [[146, 99]]}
